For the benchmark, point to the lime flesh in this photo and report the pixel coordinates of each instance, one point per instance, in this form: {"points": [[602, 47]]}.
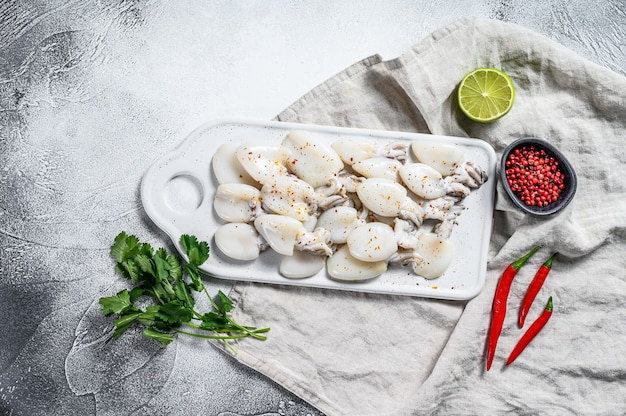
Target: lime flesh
{"points": [[486, 94]]}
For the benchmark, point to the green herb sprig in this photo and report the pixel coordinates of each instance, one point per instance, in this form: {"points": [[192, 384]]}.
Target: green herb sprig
{"points": [[162, 278]]}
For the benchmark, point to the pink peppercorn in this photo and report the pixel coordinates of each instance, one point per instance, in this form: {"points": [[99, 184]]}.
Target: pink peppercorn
{"points": [[534, 176]]}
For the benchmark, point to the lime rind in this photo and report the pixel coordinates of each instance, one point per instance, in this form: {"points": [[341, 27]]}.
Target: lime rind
{"points": [[486, 94]]}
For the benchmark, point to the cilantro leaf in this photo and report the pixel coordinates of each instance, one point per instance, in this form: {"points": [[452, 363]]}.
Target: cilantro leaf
{"points": [[146, 250], [213, 321], [194, 275], [162, 268], [182, 293], [124, 322], [162, 338], [125, 247], [149, 316], [175, 312], [198, 252], [176, 271], [128, 269], [144, 263], [115, 304], [226, 305], [161, 292], [135, 293], [161, 253]]}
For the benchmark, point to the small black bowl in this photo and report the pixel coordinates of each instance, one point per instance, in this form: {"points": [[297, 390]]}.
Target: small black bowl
{"points": [[570, 181]]}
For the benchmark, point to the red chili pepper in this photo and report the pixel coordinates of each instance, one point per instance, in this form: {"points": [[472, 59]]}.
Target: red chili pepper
{"points": [[532, 332], [533, 289], [498, 310]]}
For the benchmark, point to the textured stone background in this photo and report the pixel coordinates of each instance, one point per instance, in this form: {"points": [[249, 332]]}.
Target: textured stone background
{"points": [[92, 92]]}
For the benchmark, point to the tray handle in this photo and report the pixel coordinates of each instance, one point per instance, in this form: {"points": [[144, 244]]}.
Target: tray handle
{"points": [[176, 198]]}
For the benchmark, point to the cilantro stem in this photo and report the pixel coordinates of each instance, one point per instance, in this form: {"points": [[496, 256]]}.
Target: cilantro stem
{"points": [[192, 325], [235, 324], [210, 298], [156, 295], [222, 337], [245, 331]]}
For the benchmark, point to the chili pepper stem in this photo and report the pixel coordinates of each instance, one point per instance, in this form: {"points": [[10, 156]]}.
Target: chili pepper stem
{"points": [[517, 264], [548, 262]]}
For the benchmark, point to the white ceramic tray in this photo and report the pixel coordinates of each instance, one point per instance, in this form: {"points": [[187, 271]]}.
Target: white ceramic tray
{"points": [[177, 194]]}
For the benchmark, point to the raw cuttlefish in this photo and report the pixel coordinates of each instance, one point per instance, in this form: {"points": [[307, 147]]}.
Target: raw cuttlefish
{"points": [[351, 207]]}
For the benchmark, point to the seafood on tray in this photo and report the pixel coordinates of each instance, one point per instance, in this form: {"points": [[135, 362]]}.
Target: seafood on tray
{"points": [[355, 208]]}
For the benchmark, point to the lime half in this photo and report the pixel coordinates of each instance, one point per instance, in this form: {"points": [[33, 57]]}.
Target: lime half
{"points": [[486, 94]]}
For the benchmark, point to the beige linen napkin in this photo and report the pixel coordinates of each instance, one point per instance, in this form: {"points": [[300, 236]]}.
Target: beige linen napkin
{"points": [[364, 354]]}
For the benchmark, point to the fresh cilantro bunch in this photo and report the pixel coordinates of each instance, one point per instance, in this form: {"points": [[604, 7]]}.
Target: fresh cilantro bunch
{"points": [[162, 278]]}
